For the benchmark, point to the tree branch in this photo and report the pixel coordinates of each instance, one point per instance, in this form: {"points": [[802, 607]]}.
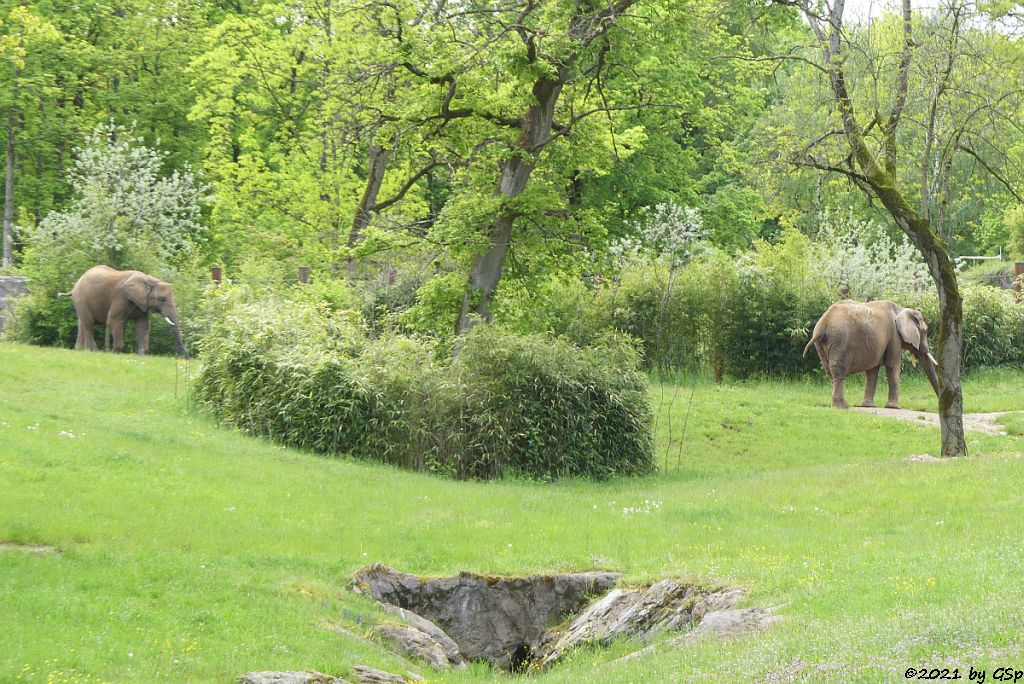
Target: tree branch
{"points": [[995, 174]]}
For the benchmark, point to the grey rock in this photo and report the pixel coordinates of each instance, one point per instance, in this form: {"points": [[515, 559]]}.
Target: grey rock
{"points": [[722, 599], [450, 648], [10, 287], [635, 655], [735, 622], [411, 642], [499, 619], [369, 675], [628, 613], [309, 677]]}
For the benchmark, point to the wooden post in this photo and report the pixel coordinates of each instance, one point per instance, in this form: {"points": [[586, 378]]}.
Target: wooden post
{"points": [[304, 274], [215, 274], [1018, 268]]}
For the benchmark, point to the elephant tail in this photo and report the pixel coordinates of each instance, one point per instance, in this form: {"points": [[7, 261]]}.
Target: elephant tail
{"points": [[814, 338]]}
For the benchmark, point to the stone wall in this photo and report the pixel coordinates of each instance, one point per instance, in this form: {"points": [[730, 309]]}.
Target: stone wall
{"points": [[10, 287]]}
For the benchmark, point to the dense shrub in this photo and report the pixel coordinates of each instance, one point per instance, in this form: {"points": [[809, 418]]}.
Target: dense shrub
{"points": [[771, 314], [507, 404], [993, 324], [673, 312], [742, 316], [993, 327], [540, 407]]}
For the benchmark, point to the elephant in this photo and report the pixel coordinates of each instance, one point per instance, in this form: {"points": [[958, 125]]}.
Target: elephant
{"points": [[106, 296], [852, 337]]}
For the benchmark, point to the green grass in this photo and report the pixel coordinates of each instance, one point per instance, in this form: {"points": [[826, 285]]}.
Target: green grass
{"points": [[192, 553], [1013, 423]]}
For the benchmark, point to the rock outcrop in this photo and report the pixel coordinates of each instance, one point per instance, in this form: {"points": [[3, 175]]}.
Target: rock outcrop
{"points": [[638, 614], [731, 623], [310, 677], [369, 675], [412, 643], [507, 620], [500, 619], [444, 642]]}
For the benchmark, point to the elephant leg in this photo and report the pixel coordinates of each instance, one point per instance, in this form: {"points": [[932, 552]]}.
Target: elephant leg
{"points": [[870, 379], [84, 339], [115, 329], [85, 325], [838, 400], [824, 359], [892, 374], [142, 335]]}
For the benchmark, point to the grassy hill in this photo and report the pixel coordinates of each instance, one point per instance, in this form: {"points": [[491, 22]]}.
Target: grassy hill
{"points": [[186, 552]]}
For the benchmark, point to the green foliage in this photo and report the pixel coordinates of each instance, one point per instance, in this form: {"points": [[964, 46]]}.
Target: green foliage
{"points": [[1013, 219], [771, 315], [993, 323], [507, 404], [734, 217], [437, 305], [40, 317], [993, 327], [992, 272], [752, 314], [562, 306], [536, 406], [743, 316]]}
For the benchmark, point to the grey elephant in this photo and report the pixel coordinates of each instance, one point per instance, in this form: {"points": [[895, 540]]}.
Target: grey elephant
{"points": [[852, 337], [109, 297]]}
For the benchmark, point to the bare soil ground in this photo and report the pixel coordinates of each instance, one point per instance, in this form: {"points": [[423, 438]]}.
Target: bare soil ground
{"points": [[974, 422]]}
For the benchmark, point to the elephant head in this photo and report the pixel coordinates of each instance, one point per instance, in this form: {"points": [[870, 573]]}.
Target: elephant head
{"points": [[151, 294], [912, 330]]}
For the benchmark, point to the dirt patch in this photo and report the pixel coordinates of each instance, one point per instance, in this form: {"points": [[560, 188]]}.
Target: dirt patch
{"points": [[37, 549], [973, 422], [927, 458]]}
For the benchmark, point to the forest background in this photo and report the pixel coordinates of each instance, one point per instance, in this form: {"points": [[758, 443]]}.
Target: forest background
{"points": [[656, 168]]}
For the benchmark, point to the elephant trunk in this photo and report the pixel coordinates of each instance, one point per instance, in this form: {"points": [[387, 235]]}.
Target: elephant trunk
{"points": [[929, 364], [171, 314]]}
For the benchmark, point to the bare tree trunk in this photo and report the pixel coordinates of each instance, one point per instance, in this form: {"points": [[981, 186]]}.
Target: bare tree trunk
{"points": [[515, 172], [375, 166], [8, 258], [951, 331]]}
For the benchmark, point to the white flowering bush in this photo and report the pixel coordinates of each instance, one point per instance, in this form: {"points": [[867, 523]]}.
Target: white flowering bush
{"points": [[669, 231], [859, 256], [125, 209]]}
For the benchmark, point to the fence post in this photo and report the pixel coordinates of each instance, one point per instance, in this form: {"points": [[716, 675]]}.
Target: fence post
{"points": [[303, 274], [215, 274], [1018, 268]]}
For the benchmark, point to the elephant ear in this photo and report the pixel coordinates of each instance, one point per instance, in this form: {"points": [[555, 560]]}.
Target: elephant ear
{"points": [[137, 288], [908, 329]]}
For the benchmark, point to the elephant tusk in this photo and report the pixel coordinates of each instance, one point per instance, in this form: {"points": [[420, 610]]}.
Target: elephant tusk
{"points": [[169, 321], [932, 359]]}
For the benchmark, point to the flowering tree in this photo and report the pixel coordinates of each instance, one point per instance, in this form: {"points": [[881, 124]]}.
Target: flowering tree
{"points": [[668, 231], [125, 210], [860, 256]]}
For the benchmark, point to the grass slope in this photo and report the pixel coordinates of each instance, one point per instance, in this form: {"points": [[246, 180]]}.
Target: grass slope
{"points": [[191, 553]]}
